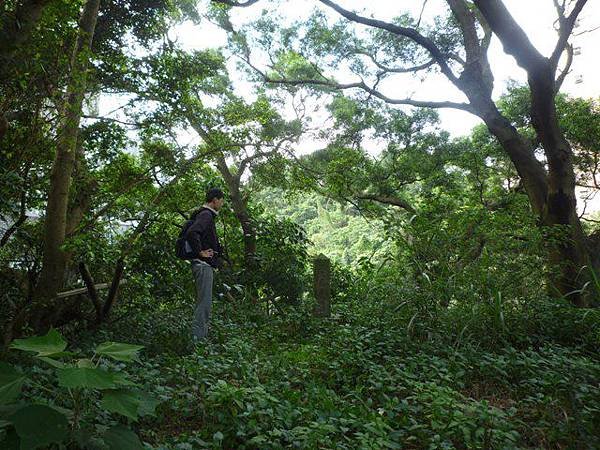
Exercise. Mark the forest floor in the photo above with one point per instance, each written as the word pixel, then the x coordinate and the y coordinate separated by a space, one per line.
pixel 365 379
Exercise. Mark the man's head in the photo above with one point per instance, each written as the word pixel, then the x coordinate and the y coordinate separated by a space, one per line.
pixel 215 198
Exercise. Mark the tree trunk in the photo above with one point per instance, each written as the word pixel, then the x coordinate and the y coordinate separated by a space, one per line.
pixel 551 192
pixel 552 199
pixel 55 259
pixel 81 199
pixel 241 211
pixel 92 292
pixel 559 208
pixel 570 254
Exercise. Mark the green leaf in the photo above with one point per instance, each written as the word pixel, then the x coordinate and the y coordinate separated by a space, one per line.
pixel 122 380
pixel 11 383
pixel 50 344
pixel 59 354
pixel 119 351
pixel 52 362
pixel 84 377
pixel 39 426
pixel 122 402
pixel 68 413
pixel 132 404
pixel 121 438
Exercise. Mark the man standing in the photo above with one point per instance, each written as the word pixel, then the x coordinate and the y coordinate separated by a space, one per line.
pixel 203 245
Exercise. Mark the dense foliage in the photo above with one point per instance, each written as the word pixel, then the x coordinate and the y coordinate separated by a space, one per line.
pixel 451 323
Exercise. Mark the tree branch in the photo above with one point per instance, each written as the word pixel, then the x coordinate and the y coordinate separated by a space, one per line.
pixel 386 69
pixel 259 154
pixel 409 33
pixel 234 3
pixel 110 119
pixel 113 291
pixel 566 28
pixel 512 36
pixel 566 69
pixel 467 24
pixel 394 201
pixel 91 289
pixel 476 57
pixel 90 222
pixel 421 13
pixel 20 220
pixel 362 85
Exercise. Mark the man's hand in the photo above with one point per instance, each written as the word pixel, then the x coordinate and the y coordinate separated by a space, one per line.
pixel 209 253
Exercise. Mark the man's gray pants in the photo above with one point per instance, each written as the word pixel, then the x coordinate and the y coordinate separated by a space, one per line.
pixel 203 274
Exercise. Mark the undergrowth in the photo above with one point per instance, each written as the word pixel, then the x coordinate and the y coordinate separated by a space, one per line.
pixel 365 378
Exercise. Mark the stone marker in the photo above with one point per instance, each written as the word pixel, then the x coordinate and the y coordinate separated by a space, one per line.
pixel 322 285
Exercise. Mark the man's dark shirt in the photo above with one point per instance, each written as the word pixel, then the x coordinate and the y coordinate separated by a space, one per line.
pixel 202 235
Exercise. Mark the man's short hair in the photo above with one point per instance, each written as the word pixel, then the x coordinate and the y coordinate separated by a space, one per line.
pixel 213 193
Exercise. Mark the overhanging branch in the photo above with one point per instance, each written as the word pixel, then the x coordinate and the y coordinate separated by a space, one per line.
pixel 375 93
pixel 387 200
pixel 386 69
pixel 260 154
pixel 238 4
pixel 397 30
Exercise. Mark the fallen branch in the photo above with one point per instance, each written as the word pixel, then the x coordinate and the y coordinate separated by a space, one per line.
pixel 84 290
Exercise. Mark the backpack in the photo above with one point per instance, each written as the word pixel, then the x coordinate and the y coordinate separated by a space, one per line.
pixel 180 244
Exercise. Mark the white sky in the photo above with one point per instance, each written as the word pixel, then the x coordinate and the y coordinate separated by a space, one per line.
pixel 535 16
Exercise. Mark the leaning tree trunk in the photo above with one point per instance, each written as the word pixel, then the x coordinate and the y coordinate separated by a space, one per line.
pixel 233 183
pixel 79 205
pixel 55 259
pixel 551 192
pixel 241 211
pixel 570 254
